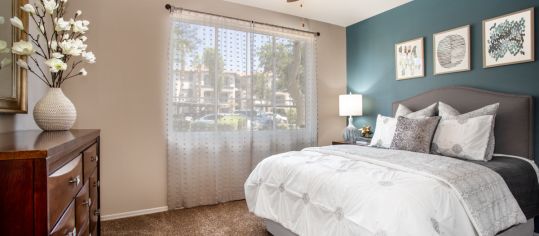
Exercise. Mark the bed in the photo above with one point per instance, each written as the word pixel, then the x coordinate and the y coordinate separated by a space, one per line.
pixel 352 190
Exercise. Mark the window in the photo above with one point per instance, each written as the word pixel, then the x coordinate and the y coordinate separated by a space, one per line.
pixel 238 93
pixel 254 71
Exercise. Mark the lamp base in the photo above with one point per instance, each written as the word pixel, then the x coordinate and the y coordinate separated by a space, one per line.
pixel 351 134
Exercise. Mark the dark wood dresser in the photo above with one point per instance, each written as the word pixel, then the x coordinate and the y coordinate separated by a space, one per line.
pixel 49 183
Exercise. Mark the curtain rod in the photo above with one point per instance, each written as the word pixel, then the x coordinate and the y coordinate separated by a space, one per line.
pixel 172 8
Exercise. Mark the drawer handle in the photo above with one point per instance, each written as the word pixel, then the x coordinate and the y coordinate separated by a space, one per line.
pixel 87 203
pixel 75 180
pixel 94 158
pixel 73 232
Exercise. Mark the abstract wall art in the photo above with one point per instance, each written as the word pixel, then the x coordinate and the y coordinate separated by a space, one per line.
pixel 451 50
pixel 409 59
pixel 509 39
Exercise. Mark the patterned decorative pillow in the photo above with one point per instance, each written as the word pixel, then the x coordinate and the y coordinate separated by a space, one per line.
pixel 463 138
pixel 414 135
pixel 385 129
pixel 385 126
pixel 429 111
pixel 449 113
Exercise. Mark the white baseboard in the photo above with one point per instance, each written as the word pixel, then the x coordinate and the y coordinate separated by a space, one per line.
pixel 134 213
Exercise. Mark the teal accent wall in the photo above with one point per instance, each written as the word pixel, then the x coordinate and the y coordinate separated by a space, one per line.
pixel 371 59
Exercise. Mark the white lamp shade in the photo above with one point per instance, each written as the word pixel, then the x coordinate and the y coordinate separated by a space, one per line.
pixel 351 105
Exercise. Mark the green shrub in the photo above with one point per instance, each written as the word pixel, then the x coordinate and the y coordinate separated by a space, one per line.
pixel 182 125
pixel 198 126
pixel 232 122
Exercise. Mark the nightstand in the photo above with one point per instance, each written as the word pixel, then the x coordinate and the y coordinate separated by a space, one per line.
pixel 368 140
pixel 339 143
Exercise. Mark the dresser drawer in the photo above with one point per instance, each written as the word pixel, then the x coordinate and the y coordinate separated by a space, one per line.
pixel 63 186
pixel 84 231
pixel 82 207
pixel 94 214
pixel 90 160
pixel 94 233
pixel 66 225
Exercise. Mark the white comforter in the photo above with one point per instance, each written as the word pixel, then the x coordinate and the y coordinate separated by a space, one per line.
pixel 353 190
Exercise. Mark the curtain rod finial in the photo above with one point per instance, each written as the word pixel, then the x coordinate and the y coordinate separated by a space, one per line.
pixel 168 6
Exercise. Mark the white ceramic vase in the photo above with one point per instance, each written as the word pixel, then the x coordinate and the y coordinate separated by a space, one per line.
pixel 55 111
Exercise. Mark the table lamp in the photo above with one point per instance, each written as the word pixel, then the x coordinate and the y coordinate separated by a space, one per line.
pixel 351 105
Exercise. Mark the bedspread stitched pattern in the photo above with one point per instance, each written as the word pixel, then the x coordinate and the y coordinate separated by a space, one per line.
pixel 354 190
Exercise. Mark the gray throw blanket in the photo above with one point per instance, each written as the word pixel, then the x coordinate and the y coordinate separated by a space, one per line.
pixel 521 178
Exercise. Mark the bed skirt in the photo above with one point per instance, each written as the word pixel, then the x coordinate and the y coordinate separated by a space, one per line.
pixel 525 229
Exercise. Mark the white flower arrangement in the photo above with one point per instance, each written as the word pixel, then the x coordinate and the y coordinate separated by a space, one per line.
pixel 62 47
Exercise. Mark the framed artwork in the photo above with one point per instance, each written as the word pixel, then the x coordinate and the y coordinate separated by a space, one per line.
pixel 451 50
pixel 409 59
pixel 13 79
pixel 509 39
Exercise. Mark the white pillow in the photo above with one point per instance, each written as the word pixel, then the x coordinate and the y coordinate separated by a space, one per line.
pixel 429 111
pixel 463 138
pixel 385 130
pixel 448 112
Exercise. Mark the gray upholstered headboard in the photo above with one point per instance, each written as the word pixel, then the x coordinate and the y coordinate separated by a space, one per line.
pixel 514 121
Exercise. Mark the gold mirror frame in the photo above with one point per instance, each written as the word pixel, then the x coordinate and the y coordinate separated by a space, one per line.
pixel 19 103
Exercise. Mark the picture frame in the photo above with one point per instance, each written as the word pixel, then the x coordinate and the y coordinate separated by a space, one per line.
pixel 498 50
pixel 14 79
pixel 452 50
pixel 410 59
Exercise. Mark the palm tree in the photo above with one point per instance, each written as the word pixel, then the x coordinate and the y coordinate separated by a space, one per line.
pixel 287 58
pixel 213 61
pixel 185 41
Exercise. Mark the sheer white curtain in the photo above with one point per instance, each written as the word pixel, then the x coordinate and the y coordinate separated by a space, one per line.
pixel 238 92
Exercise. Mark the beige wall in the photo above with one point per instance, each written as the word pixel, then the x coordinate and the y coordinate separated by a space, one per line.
pixel 124 92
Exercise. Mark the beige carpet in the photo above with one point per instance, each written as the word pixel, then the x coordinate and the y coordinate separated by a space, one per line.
pixel 231 218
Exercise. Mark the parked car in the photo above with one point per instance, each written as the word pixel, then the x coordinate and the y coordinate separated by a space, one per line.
pixel 224 121
pixel 247 113
pixel 263 122
pixel 205 123
pixel 208 119
pixel 278 118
